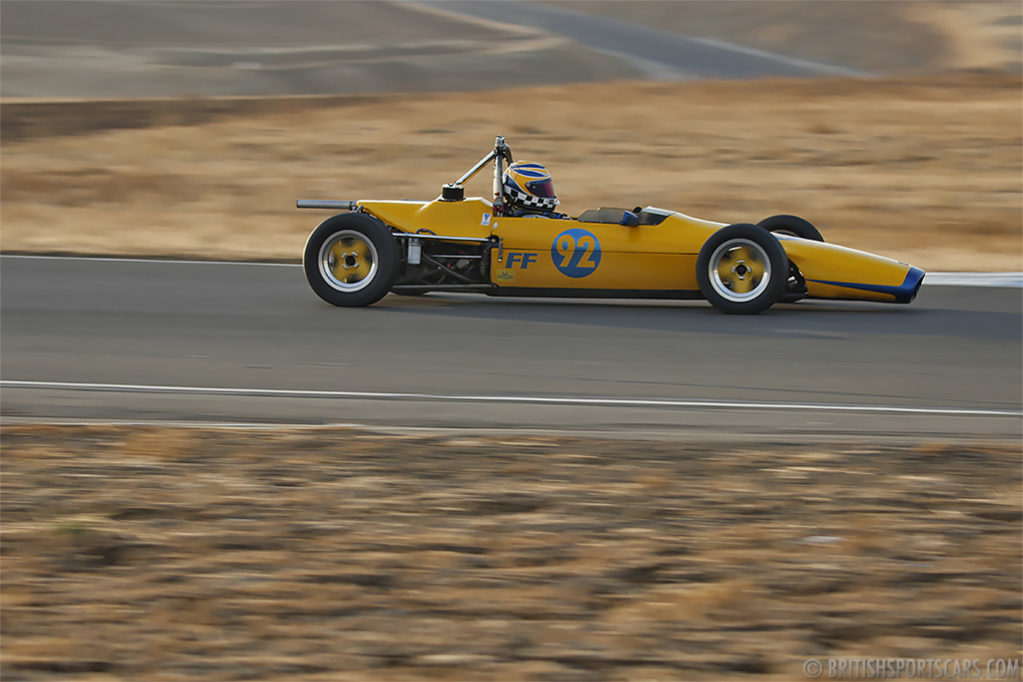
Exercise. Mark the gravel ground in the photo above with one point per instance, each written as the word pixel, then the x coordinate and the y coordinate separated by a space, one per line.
pixel 136 553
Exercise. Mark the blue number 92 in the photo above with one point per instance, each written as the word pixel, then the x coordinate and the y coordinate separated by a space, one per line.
pixel 576 252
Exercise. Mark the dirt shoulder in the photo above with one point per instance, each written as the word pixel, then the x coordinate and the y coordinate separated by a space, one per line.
pixel 157 553
pixel 924 170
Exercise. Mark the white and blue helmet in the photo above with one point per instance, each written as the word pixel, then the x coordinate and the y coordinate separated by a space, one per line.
pixel 530 186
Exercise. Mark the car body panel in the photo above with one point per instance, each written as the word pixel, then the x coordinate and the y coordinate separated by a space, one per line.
pixel 551 253
pixel 557 255
pixel 471 217
pixel 833 271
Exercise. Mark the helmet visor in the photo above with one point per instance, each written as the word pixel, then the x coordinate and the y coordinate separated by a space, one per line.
pixel 542 188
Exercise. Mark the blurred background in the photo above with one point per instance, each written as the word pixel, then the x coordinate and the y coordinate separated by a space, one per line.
pixel 114 49
pixel 227 111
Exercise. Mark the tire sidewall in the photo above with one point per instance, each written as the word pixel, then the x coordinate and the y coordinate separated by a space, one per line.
pixel 792 224
pixel 387 265
pixel 777 260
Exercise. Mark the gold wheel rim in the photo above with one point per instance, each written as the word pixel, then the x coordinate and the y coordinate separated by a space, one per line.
pixel 348 261
pixel 739 270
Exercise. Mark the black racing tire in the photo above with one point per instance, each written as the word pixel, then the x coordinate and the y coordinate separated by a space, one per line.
pixel 742 269
pixel 351 260
pixel 793 225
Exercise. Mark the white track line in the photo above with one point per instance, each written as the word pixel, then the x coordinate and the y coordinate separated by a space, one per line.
pixel 519 399
pixel 819 67
pixel 966 279
pixel 117 259
pixel 974 279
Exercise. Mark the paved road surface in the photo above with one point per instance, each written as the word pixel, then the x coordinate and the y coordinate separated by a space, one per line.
pixel 95 48
pixel 189 327
pixel 662 53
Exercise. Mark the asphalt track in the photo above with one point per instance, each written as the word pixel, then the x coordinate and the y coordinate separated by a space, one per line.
pixel 660 53
pixel 229 343
pixel 171 49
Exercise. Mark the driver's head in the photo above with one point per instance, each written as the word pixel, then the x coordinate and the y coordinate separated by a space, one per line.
pixel 529 185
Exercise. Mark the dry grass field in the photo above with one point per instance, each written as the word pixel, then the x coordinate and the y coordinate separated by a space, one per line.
pixel 924 170
pixel 134 553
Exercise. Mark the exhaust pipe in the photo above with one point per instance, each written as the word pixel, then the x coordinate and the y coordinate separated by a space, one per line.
pixel 327 204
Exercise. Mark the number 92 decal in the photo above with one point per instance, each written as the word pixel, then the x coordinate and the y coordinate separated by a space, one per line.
pixel 576 252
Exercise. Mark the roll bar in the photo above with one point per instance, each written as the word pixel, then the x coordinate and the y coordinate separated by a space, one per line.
pixel 455 191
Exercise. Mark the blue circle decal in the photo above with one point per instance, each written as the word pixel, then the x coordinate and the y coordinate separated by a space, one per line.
pixel 576 252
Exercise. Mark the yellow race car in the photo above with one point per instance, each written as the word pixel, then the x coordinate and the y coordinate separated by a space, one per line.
pixel 473 244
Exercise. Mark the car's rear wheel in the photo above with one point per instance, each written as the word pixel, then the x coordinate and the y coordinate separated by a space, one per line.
pixel 351 260
pixel 791 225
pixel 742 269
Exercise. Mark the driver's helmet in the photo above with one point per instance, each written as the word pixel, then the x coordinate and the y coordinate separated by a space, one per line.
pixel 529 185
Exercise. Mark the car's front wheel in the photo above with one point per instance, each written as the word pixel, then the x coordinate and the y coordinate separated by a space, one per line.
pixel 351 260
pixel 742 269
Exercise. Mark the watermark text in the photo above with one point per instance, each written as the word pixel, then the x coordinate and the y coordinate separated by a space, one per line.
pixel 912 669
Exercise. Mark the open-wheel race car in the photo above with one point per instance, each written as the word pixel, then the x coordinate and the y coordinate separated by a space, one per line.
pixel 500 247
